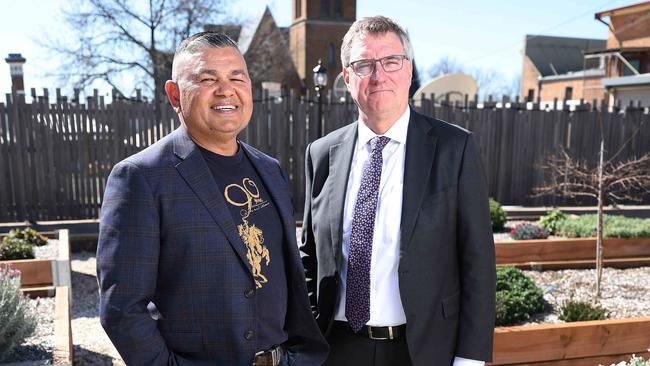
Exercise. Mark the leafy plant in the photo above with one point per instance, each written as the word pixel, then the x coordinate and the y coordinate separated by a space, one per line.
pixel 15 248
pixel 528 231
pixel 517 296
pixel 584 226
pixel 28 234
pixel 575 311
pixel 497 216
pixel 551 221
pixel 16 313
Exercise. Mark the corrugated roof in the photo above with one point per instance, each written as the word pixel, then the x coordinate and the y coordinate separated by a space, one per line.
pixel 559 55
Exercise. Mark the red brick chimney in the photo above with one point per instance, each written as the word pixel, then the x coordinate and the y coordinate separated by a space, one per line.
pixel 16 61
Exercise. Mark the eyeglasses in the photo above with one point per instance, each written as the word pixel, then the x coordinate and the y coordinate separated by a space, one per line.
pixel 390 63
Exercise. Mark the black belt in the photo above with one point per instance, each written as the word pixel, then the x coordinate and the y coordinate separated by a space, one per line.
pixel 377 333
pixel 271 357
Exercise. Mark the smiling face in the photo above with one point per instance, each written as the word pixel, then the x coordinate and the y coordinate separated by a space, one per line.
pixel 382 96
pixel 212 96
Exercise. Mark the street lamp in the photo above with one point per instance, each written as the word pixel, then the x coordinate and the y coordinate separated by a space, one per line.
pixel 320 82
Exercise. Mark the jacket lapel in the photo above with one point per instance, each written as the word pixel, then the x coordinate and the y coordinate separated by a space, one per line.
pixel 196 173
pixel 420 153
pixel 340 159
pixel 276 185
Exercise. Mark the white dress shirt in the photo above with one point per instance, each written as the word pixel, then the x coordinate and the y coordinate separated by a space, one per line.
pixel 385 302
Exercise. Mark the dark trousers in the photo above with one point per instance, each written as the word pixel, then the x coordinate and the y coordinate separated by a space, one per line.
pixel 349 349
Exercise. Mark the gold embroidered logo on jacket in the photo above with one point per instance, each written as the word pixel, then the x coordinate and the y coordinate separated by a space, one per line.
pixel 251 235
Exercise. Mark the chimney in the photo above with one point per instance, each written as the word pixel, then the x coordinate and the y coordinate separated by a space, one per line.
pixel 16 61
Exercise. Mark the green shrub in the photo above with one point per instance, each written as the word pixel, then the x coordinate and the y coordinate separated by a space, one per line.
pixel 16 313
pixel 517 296
pixel 15 248
pixel 552 221
pixel 497 215
pixel 528 231
pixel 28 234
pixel 584 226
pixel 576 311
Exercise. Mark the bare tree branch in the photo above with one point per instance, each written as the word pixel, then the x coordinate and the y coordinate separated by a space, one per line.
pixel 118 40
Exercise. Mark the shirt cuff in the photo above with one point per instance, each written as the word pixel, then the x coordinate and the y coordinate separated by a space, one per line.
pixel 459 361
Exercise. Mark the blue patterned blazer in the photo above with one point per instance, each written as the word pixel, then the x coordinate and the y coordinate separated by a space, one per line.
pixel 167 237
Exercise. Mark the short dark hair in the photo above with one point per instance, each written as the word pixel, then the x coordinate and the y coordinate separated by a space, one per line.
pixel 201 40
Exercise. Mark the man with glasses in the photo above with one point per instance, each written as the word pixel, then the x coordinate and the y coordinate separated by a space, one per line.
pixel 398 246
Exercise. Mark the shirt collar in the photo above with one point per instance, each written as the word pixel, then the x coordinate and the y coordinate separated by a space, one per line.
pixel 397 132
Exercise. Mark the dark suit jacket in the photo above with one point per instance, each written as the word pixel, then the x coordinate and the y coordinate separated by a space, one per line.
pixel 166 236
pixel 446 266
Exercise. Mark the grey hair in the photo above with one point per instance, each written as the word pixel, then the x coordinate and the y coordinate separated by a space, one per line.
pixel 373 25
pixel 197 42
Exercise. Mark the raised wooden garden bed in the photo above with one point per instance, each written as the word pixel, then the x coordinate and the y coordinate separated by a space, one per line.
pixel 62 354
pixel 572 253
pixel 40 277
pixel 586 343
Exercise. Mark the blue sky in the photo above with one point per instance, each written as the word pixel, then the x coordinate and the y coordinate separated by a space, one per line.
pixel 476 33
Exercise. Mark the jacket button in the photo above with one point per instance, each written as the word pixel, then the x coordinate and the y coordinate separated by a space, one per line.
pixel 249 335
pixel 249 293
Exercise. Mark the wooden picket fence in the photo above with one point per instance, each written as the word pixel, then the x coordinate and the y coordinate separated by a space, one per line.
pixel 55 156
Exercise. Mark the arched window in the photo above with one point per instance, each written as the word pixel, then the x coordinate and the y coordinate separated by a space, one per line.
pixel 325 8
pixel 331 54
pixel 298 8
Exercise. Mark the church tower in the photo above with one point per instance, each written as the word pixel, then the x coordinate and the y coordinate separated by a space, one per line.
pixel 316 32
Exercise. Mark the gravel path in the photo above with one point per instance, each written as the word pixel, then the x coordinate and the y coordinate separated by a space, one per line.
pixel 91 344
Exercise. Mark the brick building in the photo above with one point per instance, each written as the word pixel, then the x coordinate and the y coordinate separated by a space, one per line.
pixel 627 56
pixel 279 56
pixel 555 67
pixel 570 69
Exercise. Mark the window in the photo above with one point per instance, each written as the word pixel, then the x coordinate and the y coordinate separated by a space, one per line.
pixel 331 54
pixel 298 8
pixel 325 8
pixel 531 95
pixel 338 8
pixel 636 63
pixel 568 93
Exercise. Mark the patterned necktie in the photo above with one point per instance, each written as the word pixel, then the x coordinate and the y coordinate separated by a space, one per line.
pixel 357 302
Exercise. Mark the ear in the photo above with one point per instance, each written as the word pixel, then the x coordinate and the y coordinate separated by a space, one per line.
pixel 346 76
pixel 173 94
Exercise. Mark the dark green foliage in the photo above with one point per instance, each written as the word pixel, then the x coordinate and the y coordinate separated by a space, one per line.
pixel 528 231
pixel 16 314
pixel 497 215
pixel 575 311
pixel 28 234
pixel 584 226
pixel 552 221
pixel 517 296
pixel 14 248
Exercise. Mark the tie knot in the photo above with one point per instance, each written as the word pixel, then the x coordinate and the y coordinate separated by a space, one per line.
pixel 378 143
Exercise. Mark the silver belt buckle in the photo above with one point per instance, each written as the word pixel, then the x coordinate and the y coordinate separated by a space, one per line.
pixel 276 355
pixel 371 336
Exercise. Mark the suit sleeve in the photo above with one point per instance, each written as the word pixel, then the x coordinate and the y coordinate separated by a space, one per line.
pixel 127 265
pixel 477 259
pixel 308 245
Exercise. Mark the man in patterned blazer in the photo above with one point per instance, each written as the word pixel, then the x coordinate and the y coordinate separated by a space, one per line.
pixel 197 258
